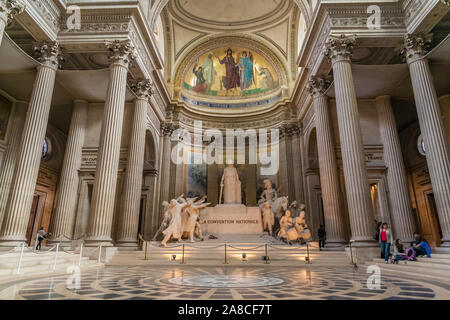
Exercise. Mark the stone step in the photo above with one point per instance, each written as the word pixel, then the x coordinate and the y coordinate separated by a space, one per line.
pixel 35 262
pixel 41 269
pixel 413 270
pixel 422 263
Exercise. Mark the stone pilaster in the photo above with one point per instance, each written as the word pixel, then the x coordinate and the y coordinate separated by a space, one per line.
pixel 64 214
pixel 339 50
pixel 11 154
pixel 444 102
pixel 8 10
pixel 166 130
pixel 297 166
pixel 122 53
pixel 132 188
pixel 399 199
pixel 432 128
pixel 329 177
pixel 15 221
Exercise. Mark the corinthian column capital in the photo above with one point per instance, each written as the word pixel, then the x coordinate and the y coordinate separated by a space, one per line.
pixel 317 86
pixel 122 52
pixel 415 47
pixel 10 8
pixel 48 53
pixel 143 89
pixel 167 128
pixel 339 48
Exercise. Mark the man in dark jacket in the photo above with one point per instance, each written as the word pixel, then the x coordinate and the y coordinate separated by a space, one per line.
pixel 322 236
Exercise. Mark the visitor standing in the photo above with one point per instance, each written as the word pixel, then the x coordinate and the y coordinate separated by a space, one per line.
pixel 385 241
pixel 41 235
pixel 322 236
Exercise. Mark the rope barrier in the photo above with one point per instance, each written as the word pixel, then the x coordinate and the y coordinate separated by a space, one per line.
pixel 245 249
pixel 9 251
pixel 35 252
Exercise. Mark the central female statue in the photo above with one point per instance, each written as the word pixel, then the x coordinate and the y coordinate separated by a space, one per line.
pixel 231 185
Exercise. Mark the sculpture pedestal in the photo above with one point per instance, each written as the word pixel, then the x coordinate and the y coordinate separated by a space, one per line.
pixel 231 219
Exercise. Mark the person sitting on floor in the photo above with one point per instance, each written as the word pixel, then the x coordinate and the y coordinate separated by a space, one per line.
pixel 399 251
pixel 421 246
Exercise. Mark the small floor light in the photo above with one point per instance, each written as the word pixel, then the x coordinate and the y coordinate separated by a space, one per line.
pixel 244 257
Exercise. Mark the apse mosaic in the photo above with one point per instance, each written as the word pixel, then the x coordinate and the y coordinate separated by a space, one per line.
pixel 231 72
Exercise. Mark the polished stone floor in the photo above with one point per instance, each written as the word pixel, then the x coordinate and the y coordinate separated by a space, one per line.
pixel 187 282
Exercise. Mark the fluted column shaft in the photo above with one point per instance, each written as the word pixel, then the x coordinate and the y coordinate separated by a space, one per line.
pixel 15 221
pixel 104 191
pixel 399 199
pixel 432 128
pixel 64 214
pixel 444 102
pixel 352 148
pixel 11 154
pixel 166 130
pixel 329 179
pixel 129 215
pixel 8 10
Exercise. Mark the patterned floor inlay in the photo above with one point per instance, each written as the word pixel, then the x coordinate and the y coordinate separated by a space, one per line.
pixel 136 283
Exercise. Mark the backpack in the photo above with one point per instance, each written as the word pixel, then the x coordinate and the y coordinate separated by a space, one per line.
pixel 410 254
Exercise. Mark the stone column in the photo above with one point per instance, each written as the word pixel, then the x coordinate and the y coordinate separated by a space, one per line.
pixel 166 130
pixel 15 221
pixel 104 192
pixel 329 178
pixel 8 10
pixel 432 128
pixel 297 165
pixel 444 102
pixel 132 187
pixel 399 199
pixel 339 50
pixel 64 214
pixel 11 154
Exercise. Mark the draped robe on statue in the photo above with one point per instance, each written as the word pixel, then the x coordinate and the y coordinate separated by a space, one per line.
pixel 231 186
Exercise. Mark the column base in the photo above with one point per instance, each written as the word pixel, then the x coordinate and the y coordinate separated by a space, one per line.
pixel 445 242
pixel 131 244
pixel 63 241
pixel 11 242
pixel 364 242
pixel 337 245
pixel 363 254
pixel 95 241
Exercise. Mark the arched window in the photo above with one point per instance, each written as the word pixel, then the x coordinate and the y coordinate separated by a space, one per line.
pixel 46 149
pixel 421 146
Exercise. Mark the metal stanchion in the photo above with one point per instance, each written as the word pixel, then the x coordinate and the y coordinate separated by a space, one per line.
pixel 35 244
pixel 225 260
pixel 20 258
pixel 99 260
pixel 351 256
pixel 267 255
pixel 146 248
pixel 81 255
pixel 308 259
pixel 56 256
pixel 182 255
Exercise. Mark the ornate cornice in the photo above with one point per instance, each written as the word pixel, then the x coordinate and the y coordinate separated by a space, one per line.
pixel 122 52
pixel 317 86
pixel 338 48
pixel 415 47
pixel 10 8
pixel 48 53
